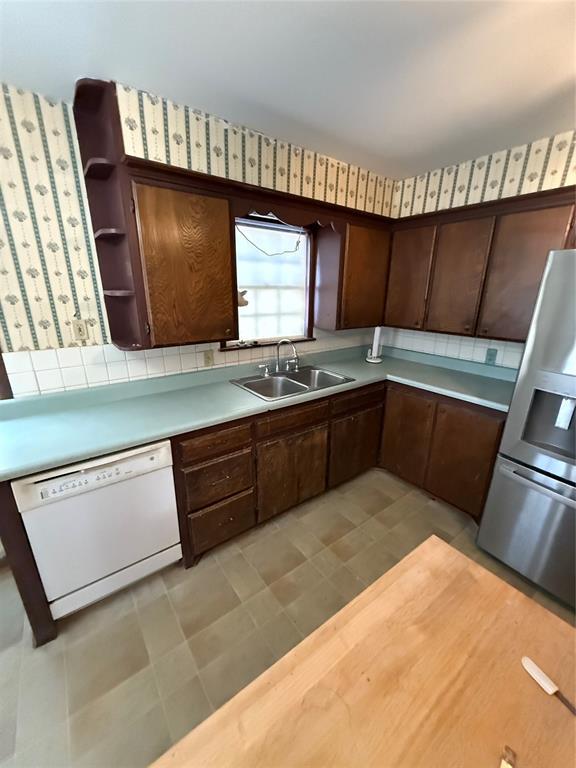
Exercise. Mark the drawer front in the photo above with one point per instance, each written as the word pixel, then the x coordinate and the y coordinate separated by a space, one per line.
pixel 220 522
pixel 291 419
pixel 217 479
pixel 213 443
pixel 359 399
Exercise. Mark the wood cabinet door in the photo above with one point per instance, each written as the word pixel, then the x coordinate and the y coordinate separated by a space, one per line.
pixel 519 253
pixel 410 265
pixel 462 455
pixel 459 266
pixel 290 470
pixel 354 444
pixel 364 277
pixel 187 252
pixel 406 434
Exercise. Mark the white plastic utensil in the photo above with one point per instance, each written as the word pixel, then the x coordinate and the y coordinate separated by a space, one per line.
pixel 545 683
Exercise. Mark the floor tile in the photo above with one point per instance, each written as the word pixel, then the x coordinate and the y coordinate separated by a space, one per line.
pixel 374 528
pixel 351 510
pixel 351 544
pixel 160 627
pixel 103 660
pixel 326 562
pixel 12 624
pixel 133 699
pixel 274 556
pixel 234 670
pixel 174 668
pixel 371 563
pixel 391 485
pixel 263 606
pixel 176 574
pixel 369 498
pixel 349 584
pixel 243 577
pixel 42 701
pixel 294 584
pixel 131 745
pixel 315 607
pixel 199 602
pixel 406 535
pixel 221 636
pixel 327 524
pixel 51 751
pixel 94 617
pixel 256 534
pixel 9 687
pixel 148 589
pixel 561 610
pixel 301 537
pixel 186 707
pixel 402 508
pixel 445 517
pixel 281 635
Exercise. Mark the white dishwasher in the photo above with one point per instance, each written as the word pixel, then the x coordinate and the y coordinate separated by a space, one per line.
pixel 97 526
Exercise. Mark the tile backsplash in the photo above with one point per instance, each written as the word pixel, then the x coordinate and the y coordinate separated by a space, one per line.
pixel 43 371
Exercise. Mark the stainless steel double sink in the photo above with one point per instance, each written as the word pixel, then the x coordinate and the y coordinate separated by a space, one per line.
pixel 276 386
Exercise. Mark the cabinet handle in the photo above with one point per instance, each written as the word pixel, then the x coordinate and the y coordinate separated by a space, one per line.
pixel 227 332
pixel 467 327
pixel 417 324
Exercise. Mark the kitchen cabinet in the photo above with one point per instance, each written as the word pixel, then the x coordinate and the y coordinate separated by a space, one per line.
pixel 291 469
pixel 351 276
pixel 462 249
pixel 517 261
pixel 407 432
pixel 187 249
pixel 464 444
pixel 410 266
pixel 354 444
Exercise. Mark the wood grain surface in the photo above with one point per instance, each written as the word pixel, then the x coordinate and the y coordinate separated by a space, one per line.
pixel 421 669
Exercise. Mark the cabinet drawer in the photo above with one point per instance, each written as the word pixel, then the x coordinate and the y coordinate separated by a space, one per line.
pixel 215 480
pixel 222 521
pixel 292 418
pixel 359 399
pixel 213 443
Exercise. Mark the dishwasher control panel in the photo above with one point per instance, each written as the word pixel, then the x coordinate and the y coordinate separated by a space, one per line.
pixel 32 492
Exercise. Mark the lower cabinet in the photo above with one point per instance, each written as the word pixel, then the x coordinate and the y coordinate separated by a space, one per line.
pixel 407 431
pixel 222 521
pixel 462 454
pixel 354 444
pixel 291 469
pixel 446 446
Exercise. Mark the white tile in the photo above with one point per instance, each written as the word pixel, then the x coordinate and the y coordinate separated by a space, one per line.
pixel 69 356
pixel 96 374
pixel 136 354
pixel 44 360
pixel 151 353
pixel 92 355
pixel 155 366
pixel 188 361
pixel 74 377
pixel 173 364
pixel 187 349
pixel 17 362
pixel 168 351
pixel 114 355
pixel 137 368
pixel 117 371
pixel 23 383
pixel 49 380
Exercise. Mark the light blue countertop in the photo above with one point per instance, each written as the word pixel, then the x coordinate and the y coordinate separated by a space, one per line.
pixel 47 431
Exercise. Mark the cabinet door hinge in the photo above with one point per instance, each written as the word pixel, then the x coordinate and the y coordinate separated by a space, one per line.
pixel 132 205
pixel 147 328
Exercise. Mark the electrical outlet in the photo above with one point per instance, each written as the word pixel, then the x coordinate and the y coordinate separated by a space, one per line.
pixel 80 329
pixel 208 357
pixel 491 354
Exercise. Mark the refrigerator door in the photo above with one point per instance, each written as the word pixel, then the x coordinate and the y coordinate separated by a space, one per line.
pixel 529 524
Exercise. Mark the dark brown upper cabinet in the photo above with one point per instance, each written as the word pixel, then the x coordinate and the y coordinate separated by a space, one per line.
pixel 518 256
pixel 351 276
pixel 460 263
pixel 410 265
pixel 186 244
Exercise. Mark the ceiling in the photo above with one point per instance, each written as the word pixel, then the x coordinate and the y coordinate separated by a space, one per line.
pixel 397 87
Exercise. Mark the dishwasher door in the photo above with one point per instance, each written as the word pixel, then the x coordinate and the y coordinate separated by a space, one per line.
pixel 99 526
pixel 529 524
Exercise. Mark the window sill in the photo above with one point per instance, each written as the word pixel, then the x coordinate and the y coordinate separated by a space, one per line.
pixel 225 346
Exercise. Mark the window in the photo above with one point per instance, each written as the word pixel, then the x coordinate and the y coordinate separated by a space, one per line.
pixel 272 262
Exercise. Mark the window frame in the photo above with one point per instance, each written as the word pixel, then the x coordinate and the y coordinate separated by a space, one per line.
pixel 264 221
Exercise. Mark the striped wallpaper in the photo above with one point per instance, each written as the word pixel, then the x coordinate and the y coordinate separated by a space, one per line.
pixel 48 270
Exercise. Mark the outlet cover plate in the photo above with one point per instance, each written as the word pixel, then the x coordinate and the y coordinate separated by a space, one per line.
pixel 491 355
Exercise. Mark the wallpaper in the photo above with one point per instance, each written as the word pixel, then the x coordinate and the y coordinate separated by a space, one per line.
pixel 48 271
pixel 158 129
pixel 543 164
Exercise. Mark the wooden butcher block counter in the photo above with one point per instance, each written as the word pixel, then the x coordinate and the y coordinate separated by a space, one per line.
pixel 421 669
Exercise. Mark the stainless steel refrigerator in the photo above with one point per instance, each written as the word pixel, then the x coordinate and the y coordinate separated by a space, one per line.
pixel 528 520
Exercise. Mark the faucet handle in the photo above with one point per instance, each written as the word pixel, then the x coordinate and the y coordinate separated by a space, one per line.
pixel 292 365
pixel 266 367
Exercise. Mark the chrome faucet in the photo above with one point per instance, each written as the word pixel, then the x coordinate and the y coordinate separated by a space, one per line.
pixel 293 360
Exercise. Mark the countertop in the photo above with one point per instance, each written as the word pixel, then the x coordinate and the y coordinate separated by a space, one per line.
pixel 423 668
pixel 40 433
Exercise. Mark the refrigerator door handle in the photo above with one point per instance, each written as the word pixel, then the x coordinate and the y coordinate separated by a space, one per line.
pixel 535 486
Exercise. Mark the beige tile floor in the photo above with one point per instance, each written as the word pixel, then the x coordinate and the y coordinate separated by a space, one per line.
pixel 130 676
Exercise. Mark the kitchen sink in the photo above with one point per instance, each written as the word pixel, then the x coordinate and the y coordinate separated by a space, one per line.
pixel 276 386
